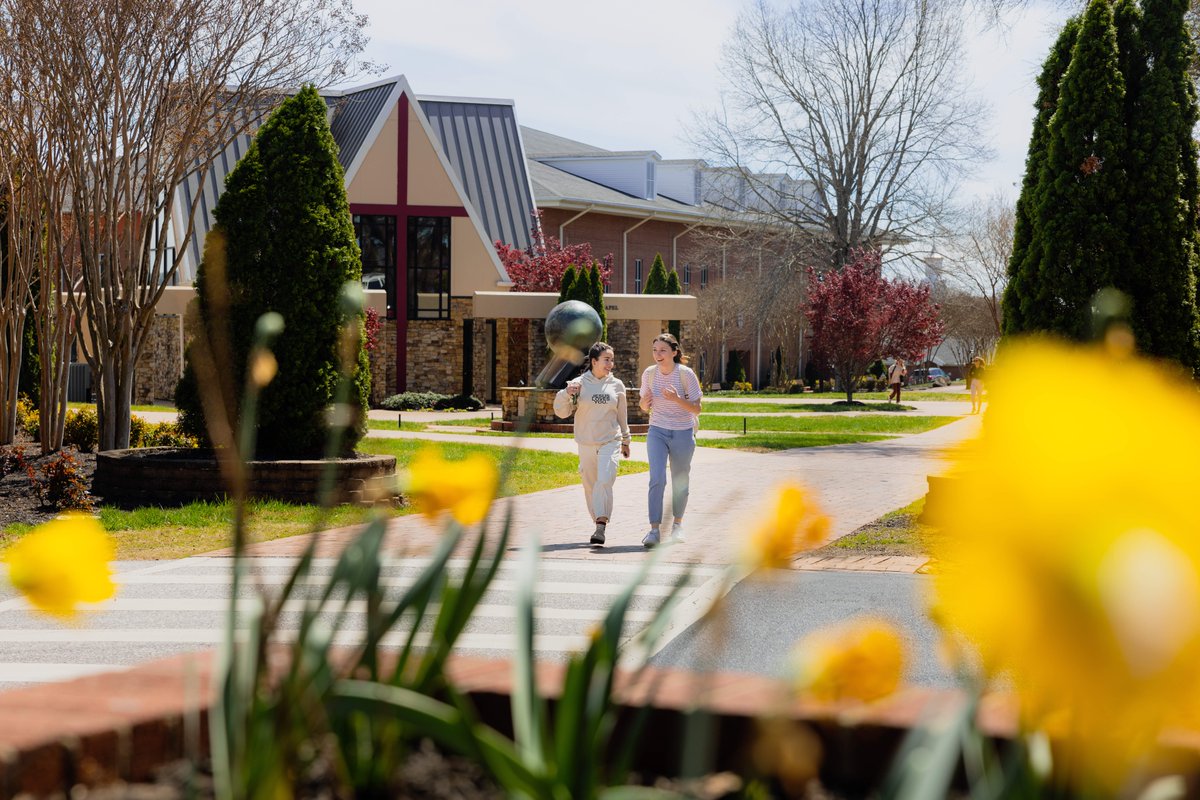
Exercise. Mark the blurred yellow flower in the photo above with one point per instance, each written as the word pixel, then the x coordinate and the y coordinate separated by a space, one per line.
pixel 1070 558
pixel 795 524
pixel 61 564
pixel 862 659
pixel 464 488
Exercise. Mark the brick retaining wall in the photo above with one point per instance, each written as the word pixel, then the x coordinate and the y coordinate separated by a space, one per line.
pixel 168 475
pixel 515 400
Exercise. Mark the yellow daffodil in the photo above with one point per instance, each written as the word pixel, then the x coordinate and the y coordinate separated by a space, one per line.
pixel 464 488
pixel 61 564
pixel 1070 559
pixel 862 659
pixel 795 524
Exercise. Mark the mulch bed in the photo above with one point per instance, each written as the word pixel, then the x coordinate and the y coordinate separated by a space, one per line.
pixel 18 500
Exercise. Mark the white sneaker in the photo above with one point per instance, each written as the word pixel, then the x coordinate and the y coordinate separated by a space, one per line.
pixel 651 539
pixel 677 534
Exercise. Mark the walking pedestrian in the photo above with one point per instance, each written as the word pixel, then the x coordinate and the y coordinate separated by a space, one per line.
pixel 671 392
pixel 896 373
pixel 975 383
pixel 601 429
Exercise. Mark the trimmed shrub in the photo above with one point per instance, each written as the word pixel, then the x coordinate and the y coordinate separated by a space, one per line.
pixel 62 484
pixel 284 241
pixel 459 402
pixel 28 418
pixel 166 434
pixel 413 401
pixel 81 429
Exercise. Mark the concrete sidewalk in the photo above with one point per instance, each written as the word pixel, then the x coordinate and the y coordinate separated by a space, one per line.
pixel 854 484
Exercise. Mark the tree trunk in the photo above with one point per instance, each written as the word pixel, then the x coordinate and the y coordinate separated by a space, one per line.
pixel 10 371
pixel 114 401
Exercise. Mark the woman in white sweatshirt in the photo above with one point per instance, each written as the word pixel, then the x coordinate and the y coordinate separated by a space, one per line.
pixel 601 427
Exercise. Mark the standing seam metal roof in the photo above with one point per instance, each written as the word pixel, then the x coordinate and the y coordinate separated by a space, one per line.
pixel 354 115
pixel 481 142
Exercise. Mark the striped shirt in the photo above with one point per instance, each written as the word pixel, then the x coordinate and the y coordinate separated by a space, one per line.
pixel 664 413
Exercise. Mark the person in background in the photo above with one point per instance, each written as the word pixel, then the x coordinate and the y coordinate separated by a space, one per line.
pixel 974 378
pixel 896 373
pixel 601 428
pixel 670 391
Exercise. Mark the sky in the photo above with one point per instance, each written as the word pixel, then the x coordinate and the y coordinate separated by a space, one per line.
pixel 631 77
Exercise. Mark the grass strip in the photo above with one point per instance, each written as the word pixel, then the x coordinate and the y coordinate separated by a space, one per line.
pixel 868 423
pixel 896 533
pixel 836 406
pixel 769 442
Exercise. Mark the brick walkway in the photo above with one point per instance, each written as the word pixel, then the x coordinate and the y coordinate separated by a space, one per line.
pixel 854 484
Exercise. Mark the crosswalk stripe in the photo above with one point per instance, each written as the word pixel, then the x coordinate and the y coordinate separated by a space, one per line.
pixel 165 604
pixel 23 672
pixel 542 587
pixel 285 563
pixel 211 636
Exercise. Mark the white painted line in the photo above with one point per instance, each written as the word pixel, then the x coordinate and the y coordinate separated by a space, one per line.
pixel 221 605
pixel 543 587
pixel 213 636
pixel 13 672
pixel 285 564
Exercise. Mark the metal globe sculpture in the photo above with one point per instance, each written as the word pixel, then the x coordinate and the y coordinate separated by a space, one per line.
pixel 571 328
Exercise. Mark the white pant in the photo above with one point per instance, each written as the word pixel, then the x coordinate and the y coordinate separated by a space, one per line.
pixel 598 468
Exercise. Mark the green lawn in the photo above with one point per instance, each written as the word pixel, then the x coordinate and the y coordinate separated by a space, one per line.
pixel 533 470
pixel 867 423
pixel 154 533
pixel 390 425
pixel 896 533
pixel 729 407
pixel 766 442
pixel 916 394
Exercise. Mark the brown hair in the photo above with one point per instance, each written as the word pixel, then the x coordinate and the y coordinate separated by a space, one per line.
pixel 673 343
pixel 597 350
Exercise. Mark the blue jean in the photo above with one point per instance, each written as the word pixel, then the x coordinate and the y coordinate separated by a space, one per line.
pixel 677 446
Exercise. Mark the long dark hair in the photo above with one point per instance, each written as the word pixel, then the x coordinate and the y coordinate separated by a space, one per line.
pixel 673 343
pixel 597 350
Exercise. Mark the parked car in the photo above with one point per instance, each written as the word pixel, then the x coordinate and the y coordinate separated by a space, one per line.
pixel 932 375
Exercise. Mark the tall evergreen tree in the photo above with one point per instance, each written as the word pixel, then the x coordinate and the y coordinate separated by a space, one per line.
pixel 656 281
pixel 568 284
pixel 1080 240
pixel 285 242
pixel 597 301
pixel 1163 229
pixel 1022 279
pixel 673 287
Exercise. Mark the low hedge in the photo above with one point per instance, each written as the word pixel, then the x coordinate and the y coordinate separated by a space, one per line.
pixel 418 401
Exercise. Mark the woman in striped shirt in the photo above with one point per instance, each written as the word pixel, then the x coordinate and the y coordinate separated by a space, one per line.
pixel 671 393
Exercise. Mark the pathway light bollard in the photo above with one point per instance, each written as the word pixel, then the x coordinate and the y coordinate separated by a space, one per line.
pixel 399 422
pixel 743 426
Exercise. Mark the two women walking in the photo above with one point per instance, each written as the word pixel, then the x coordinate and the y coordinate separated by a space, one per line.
pixel 671 392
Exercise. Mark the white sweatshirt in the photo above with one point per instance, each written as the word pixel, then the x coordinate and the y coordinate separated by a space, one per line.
pixel 601 414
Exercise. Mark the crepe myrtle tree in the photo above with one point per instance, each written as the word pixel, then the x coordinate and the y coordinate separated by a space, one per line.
pixel 856 316
pixel 540 267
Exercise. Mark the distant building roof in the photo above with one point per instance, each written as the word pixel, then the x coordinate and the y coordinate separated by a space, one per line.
pixel 540 144
pixel 553 187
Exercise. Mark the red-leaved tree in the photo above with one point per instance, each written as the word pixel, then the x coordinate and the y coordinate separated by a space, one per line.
pixel 540 268
pixel 856 316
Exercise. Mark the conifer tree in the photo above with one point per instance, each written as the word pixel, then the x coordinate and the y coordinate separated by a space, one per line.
pixel 1163 227
pixel 673 287
pixel 656 281
pixel 285 242
pixel 1080 239
pixel 1022 278
pixel 597 298
pixel 568 284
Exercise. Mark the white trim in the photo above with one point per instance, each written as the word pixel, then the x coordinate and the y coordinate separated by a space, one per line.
pixel 487 101
pixel 376 128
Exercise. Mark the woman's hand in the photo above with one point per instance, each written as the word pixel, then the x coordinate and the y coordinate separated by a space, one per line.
pixel 670 394
pixel 573 389
pixel 625 450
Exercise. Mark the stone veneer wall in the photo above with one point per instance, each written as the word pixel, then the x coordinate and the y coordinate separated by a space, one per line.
pixel 515 400
pixel 623 336
pixel 435 350
pixel 383 363
pixel 160 361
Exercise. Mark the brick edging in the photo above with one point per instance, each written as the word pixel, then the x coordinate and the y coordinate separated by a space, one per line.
pixel 122 726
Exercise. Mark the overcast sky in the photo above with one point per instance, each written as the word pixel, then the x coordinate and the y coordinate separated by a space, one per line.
pixel 629 77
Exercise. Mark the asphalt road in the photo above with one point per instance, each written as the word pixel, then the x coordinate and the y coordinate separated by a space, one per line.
pixel 765 618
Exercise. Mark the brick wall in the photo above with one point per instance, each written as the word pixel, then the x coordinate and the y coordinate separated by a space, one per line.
pixel 515 402
pixel 160 361
pixel 623 336
pixel 435 350
pixel 383 363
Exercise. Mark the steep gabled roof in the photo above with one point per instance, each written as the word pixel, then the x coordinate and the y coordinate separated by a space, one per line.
pixel 354 115
pixel 482 142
